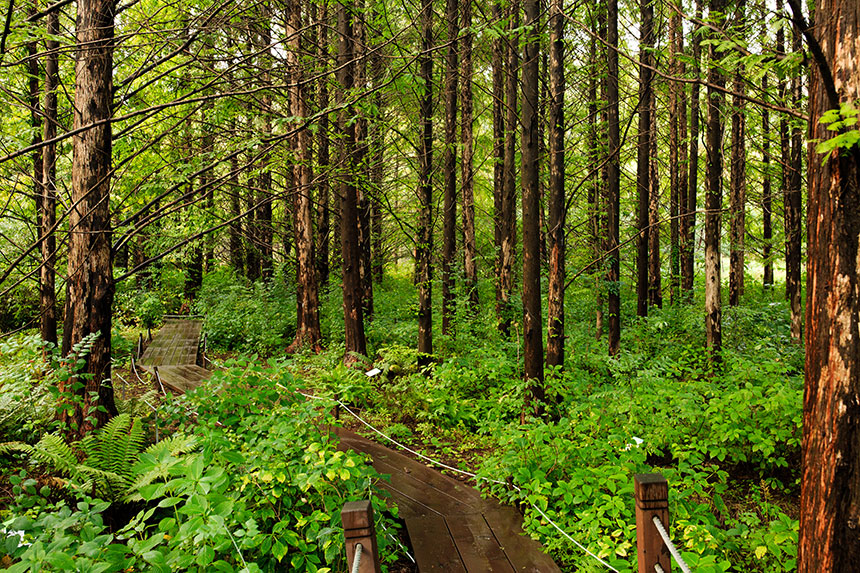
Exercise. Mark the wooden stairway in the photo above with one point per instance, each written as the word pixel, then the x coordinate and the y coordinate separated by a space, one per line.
pixel 174 352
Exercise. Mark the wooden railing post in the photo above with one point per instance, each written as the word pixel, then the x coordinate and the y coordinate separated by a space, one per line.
pixel 652 498
pixel 357 517
pixel 139 345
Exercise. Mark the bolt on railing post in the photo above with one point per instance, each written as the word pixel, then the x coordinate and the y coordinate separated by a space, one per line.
pixel 357 518
pixel 652 499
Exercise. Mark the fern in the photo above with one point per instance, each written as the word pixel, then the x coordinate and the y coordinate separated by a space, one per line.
pixel 114 465
pixel 156 462
pixel 116 447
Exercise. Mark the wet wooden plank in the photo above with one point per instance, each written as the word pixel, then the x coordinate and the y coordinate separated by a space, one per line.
pixel 451 487
pixel 433 545
pixel 526 554
pixel 478 547
pixel 486 536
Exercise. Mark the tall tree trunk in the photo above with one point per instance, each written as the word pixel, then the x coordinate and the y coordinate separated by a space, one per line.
pixel 655 280
pixel 449 168
pixel 264 222
pixel 643 153
pixel 766 194
pixel 532 311
pixel 207 179
pixel 470 248
pixel 784 151
pixel 793 212
pixel 509 176
pixel 613 188
pixel 689 239
pixel 48 294
pixel 308 332
pixel 237 255
pixel 713 193
pixel 323 149
pixel 738 191
pixel 352 289
pixel 90 286
pixel 424 247
pixel 677 196
pixel 377 167
pixel 362 135
pixel 498 65
pixel 37 175
pixel 830 479
pixel 596 188
pixel 557 211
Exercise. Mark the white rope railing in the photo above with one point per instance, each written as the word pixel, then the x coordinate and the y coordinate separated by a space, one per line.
pixel 472 475
pixel 356 561
pixel 672 549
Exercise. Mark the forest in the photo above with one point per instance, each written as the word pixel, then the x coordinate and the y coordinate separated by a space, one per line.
pixel 547 245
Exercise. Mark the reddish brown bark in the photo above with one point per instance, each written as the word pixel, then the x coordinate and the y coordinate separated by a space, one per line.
pixel 308 333
pixel 830 481
pixel 532 312
pixel 90 286
pixel 353 313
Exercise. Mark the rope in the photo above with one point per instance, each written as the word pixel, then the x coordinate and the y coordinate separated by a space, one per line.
pixel 456 470
pixel 356 561
pixel 662 530
pixel 397 541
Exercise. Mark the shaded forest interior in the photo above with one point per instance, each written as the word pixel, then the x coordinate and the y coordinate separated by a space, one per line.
pixel 519 211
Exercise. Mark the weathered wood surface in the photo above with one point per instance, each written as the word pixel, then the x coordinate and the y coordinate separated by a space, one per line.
pixel 174 351
pixel 451 527
pixel 175 344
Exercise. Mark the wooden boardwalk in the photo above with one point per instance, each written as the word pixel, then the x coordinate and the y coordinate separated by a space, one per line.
pixel 451 527
pixel 174 352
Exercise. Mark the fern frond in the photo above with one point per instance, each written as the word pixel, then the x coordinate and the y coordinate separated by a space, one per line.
pixel 54 452
pixel 175 444
pixel 115 447
pixel 9 447
pixel 157 460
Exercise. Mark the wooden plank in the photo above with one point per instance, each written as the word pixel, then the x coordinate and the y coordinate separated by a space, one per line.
pixel 456 489
pixel 412 485
pixel 433 546
pixel 484 535
pixel 478 547
pixel 526 554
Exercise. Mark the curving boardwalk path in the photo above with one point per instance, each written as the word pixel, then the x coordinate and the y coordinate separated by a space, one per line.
pixel 451 527
pixel 174 352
